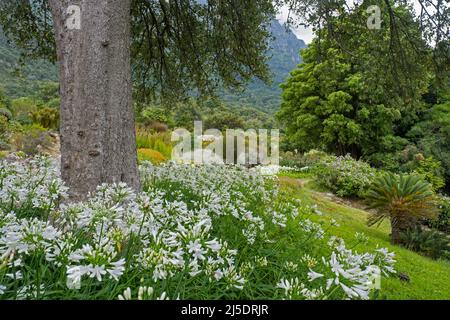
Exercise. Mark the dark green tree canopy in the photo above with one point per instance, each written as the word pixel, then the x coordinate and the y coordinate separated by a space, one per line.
pixel 357 92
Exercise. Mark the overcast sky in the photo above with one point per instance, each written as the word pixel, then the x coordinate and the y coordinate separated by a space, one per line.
pixel 307 35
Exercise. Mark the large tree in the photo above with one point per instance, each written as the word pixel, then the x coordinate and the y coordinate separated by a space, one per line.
pixel 173 47
pixel 359 90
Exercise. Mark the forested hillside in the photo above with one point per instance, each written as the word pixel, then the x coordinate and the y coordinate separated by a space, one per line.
pixel 284 58
pixel 23 80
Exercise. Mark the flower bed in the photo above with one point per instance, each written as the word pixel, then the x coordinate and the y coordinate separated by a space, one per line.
pixel 194 232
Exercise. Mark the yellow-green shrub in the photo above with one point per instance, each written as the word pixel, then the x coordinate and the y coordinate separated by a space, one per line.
pixel 32 140
pixel 156 141
pixel 47 117
pixel 21 109
pixel 153 156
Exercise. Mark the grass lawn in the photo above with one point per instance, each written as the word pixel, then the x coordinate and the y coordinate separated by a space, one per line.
pixel 429 279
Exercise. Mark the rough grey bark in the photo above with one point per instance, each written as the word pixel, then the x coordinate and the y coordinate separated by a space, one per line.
pixel 97 118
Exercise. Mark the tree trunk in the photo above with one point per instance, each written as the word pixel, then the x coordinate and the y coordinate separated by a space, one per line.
pixel 97 118
pixel 396 234
pixel 401 223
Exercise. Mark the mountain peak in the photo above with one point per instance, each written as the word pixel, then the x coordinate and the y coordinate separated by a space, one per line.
pixel 284 57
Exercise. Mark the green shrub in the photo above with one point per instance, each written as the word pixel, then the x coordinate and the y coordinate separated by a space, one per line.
pixel 442 223
pixel 48 91
pixel 431 170
pixel 22 108
pixel 4 146
pixel 46 117
pixel 315 156
pixel 430 243
pixel 297 160
pixel 292 160
pixel 5 129
pixel 5 102
pixel 6 113
pixel 54 103
pixel 154 117
pixel 432 134
pixel 345 176
pixel 223 120
pixel 3 126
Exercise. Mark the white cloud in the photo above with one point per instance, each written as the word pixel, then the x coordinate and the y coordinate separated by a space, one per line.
pixel 306 34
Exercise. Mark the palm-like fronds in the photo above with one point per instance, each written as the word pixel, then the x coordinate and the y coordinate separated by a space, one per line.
pixel 399 197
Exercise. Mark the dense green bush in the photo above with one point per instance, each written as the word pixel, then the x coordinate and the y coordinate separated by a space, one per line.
pixel 292 160
pixel 345 176
pixel 22 108
pixel 442 223
pixel 54 103
pixel 3 125
pixel 6 113
pixel 431 135
pixel 3 131
pixel 46 117
pixel 308 161
pixel 431 170
pixel 4 147
pixel 4 100
pixel 430 243
pixel 47 92
pixel 7 129
pixel 152 116
pixel 224 120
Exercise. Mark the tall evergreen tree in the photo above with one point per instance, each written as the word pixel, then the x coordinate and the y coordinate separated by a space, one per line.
pixel 356 92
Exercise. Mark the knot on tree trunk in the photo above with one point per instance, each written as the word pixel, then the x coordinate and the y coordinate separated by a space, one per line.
pixel 94 153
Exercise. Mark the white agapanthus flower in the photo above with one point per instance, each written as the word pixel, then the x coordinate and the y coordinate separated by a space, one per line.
pixel 167 230
pixel 312 275
pixel 2 289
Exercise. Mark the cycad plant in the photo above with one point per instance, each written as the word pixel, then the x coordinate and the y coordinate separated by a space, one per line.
pixel 404 199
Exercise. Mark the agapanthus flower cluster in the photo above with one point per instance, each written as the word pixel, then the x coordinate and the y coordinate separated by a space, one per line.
pixel 345 274
pixel 33 184
pixel 168 232
pixel 224 191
